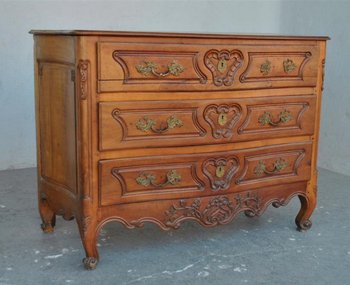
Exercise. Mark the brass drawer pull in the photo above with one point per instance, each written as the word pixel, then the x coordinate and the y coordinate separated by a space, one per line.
pixel 145 124
pixel 147 179
pixel 288 65
pixel 278 166
pixel 283 117
pixel 149 67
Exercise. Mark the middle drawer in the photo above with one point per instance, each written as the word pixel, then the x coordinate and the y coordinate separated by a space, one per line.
pixel 142 124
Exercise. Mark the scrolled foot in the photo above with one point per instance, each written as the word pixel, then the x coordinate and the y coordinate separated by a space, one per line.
pixel 47 227
pixel 90 263
pixel 304 226
pixel 249 213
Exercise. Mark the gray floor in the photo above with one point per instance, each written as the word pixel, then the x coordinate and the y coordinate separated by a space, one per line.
pixel 267 250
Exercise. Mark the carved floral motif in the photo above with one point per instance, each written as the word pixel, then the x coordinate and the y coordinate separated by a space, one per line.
pixel 219 210
pixel 83 68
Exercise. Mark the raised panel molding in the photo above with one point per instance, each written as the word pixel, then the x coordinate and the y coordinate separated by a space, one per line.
pixel 277 71
pixel 260 109
pixel 195 130
pixel 120 57
pixel 247 175
pixel 185 169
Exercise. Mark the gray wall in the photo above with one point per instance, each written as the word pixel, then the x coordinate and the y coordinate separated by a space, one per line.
pixel 329 18
pixel 17 132
pixel 17 141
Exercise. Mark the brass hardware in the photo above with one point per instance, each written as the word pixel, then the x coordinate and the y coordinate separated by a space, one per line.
pixel 278 166
pixel 220 171
pixel 222 119
pixel 283 117
pixel 147 179
pixel 288 65
pixel 222 65
pixel 145 124
pixel 265 68
pixel 149 67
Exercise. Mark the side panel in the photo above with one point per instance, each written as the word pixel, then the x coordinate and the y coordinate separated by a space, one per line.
pixel 56 118
pixel 57 124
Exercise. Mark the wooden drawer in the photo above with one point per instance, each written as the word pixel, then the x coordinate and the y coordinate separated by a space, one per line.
pixel 192 175
pixel 159 67
pixel 125 125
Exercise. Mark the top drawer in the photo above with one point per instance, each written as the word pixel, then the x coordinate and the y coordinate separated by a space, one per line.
pixel 184 67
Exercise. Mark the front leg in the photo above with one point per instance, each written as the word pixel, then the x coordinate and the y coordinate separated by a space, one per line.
pixel 308 205
pixel 88 232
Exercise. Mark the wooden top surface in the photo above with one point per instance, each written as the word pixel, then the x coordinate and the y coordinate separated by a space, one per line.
pixel 172 35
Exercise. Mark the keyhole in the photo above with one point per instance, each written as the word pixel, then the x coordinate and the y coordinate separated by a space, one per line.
pixel 222 64
pixel 222 118
pixel 220 171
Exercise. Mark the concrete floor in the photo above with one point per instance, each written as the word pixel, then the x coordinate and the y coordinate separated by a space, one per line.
pixel 267 250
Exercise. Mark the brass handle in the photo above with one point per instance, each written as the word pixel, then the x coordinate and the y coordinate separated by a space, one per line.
pixel 149 67
pixel 288 65
pixel 145 124
pixel 147 179
pixel 278 166
pixel 283 117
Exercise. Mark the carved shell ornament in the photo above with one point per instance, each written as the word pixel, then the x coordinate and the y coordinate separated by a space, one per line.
pixel 223 65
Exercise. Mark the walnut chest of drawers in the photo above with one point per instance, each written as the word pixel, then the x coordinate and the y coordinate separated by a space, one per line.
pixel 166 127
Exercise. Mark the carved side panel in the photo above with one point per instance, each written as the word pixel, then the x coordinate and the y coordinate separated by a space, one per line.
pixel 57 124
pixel 222 119
pixel 220 171
pixel 223 65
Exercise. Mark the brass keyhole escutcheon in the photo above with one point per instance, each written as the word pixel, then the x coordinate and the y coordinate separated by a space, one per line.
pixel 222 65
pixel 222 119
pixel 220 171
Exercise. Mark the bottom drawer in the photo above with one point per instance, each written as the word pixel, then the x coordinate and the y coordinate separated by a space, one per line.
pixel 152 178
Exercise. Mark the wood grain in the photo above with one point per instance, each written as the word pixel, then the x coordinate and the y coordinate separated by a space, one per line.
pixel 215 126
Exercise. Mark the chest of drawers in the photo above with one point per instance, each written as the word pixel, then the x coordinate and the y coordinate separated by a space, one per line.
pixel 165 127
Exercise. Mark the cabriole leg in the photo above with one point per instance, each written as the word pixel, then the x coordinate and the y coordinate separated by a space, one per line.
pixel 88 237
pixel 302 220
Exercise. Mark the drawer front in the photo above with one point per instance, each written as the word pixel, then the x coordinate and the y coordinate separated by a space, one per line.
pixel 178 176
pixel 159 67
pixel 125 125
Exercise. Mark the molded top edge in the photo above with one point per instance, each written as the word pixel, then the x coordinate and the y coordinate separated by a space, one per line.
pixel 174 34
